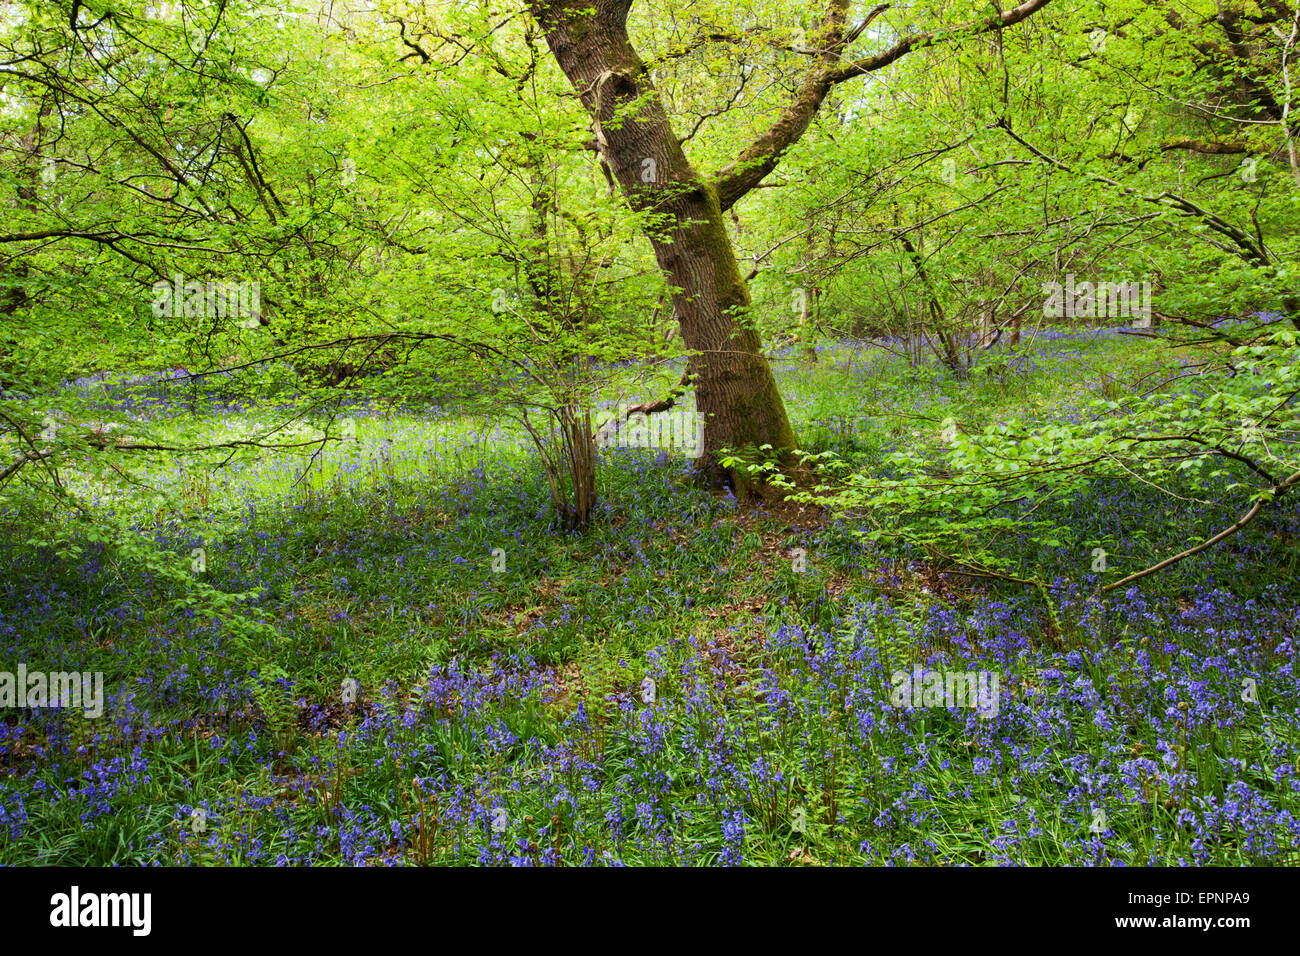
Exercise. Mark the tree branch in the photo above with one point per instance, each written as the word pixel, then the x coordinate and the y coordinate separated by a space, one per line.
pixel 1269 496
pixel 758 159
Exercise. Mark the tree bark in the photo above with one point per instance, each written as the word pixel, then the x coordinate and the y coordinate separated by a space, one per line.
pixel 735 388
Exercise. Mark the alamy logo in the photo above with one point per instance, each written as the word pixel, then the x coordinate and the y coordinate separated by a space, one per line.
pixel 65 689
pixel 211 300
pixel 974 689
pixel 680 428
pixel 102 909
pixel 1102 300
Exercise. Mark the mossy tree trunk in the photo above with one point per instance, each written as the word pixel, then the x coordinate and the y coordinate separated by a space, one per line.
pixel 735 389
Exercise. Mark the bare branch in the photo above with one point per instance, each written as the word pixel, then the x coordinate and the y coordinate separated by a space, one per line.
pixel 1266 498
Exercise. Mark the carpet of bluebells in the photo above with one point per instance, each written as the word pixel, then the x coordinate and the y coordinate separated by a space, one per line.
pixel 666 689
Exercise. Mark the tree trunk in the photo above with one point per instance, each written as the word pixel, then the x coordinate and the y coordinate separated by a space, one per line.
pixel 734 384
pixel 735 388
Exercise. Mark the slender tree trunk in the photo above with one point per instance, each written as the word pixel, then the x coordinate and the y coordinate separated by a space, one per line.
pixel 13 297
